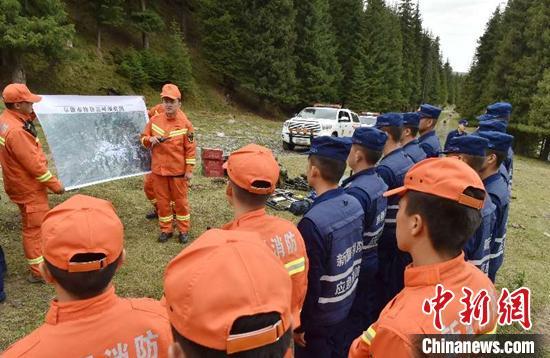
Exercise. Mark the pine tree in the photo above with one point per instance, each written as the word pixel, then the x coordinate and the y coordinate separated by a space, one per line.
pixel 317 67
pixel 40 29
pixel 347 22
pixel 411 29
pixel 147 21
pixel 178 61
pixel 106 13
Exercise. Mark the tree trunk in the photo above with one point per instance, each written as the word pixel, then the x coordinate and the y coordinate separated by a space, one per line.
pixel 144 35
pixel 99 37
pixel 18 75
pixel 545 152
pixel 145 40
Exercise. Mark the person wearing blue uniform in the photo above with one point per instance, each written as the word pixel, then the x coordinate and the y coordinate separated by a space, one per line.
pixel 392 169
pixel 496 186
pixel 408 139
pixel 333 234
pixel 460 131
pixel 367 187
pixel 502 111
pixel 471 149
pixel 428 138
pixel 496 125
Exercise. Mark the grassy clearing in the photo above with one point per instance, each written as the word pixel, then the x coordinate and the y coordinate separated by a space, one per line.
pixel 141 275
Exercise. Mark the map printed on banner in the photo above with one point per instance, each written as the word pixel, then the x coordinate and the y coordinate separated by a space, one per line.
pixel 94 139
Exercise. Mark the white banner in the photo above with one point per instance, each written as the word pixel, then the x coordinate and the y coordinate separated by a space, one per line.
pixel 94 139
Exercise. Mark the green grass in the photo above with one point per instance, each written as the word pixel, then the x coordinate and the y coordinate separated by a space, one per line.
pixel 141 275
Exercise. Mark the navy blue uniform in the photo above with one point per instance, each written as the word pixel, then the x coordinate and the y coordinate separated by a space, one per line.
pixel 497 188
pixel 478 249
pixel 3 270
pixel 509 165
pixel 413 150
pixel 367 187
pixel 430 144
pixel 392 261
pixel 333 233
pixel 453 134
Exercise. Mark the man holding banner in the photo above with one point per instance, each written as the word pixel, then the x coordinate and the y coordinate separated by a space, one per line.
pixel 25 169
pixel 170 136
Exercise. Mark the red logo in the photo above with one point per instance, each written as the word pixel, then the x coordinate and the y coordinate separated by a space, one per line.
pixel 515 307
pixel 437 304
pixel 478 308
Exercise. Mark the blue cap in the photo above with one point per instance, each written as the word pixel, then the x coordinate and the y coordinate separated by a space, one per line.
pixel 500 109
pixel 463 121
pixel 330 147
pixel 411 119
pixel 389 120
pixel 429 111
pixel 492 125
pixel 467 144
pixel 370 138
pixel 500 142
pixel 486 117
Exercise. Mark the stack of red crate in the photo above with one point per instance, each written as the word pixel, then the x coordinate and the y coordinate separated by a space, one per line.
pixel 212 162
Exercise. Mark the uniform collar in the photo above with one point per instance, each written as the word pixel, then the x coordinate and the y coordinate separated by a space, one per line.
pixel 393 152
pixel 491 178
pixel 20 116
pixel 251 215
pixel 429 134
pixel 368 171
pixel 412 142
pixel 60 312
pixel 429 275
pixel 333 193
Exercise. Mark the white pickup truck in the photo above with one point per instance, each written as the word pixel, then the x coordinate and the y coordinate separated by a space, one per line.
pixel 316 121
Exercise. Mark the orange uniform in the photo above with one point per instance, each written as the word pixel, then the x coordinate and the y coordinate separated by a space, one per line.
pixel 26 174
pixel 102 326
pixel 148 186
pixel 171 160
pixel 287 243
pixel 403 316
pixel 432 301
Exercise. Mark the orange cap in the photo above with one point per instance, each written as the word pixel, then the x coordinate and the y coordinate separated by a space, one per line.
pixel 251 164
pixel 170 91
pixel 222 276
pixel 82 225
pixel 19 92
pixel 444 177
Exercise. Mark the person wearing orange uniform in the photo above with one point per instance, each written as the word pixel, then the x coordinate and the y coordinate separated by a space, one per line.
pixel 82 242
pixel 253 174
pixel 148 186
pixel 25 169
pixel 228 295
pixel 170 136
pixel 439 211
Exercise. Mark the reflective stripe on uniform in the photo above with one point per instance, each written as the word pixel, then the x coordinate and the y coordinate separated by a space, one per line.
pixel 178 132
pixel 479 262
pixel 390 221
pixel 368 335
pixel 342 275
pixel 296 266
pixel 165 219
pixel 2 141
pixel 373 234
pixel 157 129
pixel 45 177
pixel 35 261
pixel 191 161
pixel 500 239
pixel 143 141
pixel 183 217
pixel 338 298
pixel 393 207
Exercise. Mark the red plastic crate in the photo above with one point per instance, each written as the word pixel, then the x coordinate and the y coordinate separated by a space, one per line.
pixel 212 168
pixel 214 154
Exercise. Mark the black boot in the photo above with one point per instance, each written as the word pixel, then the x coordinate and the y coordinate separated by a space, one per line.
pixel 152 215
pixel 183 238
pixel 164 236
